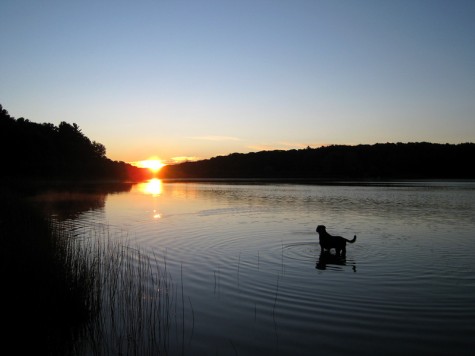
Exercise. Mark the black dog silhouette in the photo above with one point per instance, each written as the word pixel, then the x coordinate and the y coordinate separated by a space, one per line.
pixel 327 241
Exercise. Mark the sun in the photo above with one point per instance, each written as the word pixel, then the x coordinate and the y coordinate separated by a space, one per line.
pixel 152 164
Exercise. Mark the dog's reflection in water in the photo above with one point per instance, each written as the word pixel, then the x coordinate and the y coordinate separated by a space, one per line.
pixel 327 258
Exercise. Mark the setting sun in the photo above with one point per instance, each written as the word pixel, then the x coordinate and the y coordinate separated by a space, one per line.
pixel 153 164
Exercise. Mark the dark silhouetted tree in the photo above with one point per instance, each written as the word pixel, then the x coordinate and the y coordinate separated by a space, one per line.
pixel 379 161
pixel 32 150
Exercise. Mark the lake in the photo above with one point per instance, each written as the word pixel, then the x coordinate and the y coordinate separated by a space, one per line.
pixel 250 279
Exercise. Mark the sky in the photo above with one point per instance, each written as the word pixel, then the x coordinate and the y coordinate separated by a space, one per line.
pixel 196 79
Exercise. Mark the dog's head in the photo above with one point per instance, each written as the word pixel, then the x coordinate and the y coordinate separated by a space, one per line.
pixel 321 228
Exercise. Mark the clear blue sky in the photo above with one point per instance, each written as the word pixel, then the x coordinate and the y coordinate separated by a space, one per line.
pixel 204 78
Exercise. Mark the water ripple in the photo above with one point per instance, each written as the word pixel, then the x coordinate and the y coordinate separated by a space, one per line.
pixel 249 261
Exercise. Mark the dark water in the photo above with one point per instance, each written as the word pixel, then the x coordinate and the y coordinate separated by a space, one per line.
pixel 248 260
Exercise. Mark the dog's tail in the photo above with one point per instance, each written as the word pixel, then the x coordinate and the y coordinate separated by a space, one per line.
pixel 351 241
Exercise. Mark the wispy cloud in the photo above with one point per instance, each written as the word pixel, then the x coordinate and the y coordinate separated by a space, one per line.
pixel 181 159
pixel 283 146
pixel 215 138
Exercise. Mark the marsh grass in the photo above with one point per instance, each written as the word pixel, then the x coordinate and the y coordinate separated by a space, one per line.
pixel 42 297
pixel 134 296
pixel 80 295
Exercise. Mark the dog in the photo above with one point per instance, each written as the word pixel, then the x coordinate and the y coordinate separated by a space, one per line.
pixel 327 241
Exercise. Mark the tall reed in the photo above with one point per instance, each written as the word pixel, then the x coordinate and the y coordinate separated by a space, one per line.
pixel 65 294
pixel 130 296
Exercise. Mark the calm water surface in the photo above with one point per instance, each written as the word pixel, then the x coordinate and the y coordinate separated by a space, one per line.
pixel 248 260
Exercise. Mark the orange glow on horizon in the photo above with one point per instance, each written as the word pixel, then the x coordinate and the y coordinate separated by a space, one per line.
pixel 153 164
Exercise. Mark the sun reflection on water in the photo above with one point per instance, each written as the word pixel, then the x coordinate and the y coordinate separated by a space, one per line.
pixel 152 187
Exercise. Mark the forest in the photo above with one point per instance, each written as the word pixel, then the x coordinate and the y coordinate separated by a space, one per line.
pixel 44 151
pixel 47 152
pixel 420 160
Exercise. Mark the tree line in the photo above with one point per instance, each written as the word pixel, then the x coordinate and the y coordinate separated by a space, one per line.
pixel 420 160
pixel 44 151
